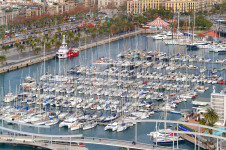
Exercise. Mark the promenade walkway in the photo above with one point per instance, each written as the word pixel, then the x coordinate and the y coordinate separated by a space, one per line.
pixel 68 141
pixel 16 61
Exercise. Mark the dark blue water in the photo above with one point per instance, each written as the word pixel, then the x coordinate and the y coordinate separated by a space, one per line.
pixel 85 58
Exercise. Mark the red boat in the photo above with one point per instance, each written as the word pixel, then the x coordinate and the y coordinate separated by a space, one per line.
pixel 65 52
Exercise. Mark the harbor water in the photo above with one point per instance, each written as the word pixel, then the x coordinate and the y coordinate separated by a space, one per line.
pixel 11 81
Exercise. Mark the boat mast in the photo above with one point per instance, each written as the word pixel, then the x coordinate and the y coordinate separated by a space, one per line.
pixel 189 22
pixel 178 23
pixel 193 28
pixel 44 58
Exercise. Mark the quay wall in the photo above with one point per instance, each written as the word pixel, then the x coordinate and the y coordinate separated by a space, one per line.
pixel 36 60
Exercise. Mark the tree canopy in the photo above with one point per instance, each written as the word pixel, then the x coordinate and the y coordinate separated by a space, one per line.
pixel 202 22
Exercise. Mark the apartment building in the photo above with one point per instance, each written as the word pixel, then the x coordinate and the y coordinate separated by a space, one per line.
pixel 2 17
pixel 140 6
pixel 103 4
pixel 218 103
pixel 182 5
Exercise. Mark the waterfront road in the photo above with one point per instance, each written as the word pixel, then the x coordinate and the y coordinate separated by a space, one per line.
pixel 74 143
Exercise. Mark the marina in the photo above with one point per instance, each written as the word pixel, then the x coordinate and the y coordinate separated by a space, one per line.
pixel 111 85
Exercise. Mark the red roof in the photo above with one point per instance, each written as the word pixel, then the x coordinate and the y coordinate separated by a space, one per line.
pixel 201 35
pixel 211 33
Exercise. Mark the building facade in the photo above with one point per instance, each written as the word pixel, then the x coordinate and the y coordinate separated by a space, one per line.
pixel 103 4
pixel 218 103
pixel 91 3
pixel 140 6
pixel 2 17
pixel 182 5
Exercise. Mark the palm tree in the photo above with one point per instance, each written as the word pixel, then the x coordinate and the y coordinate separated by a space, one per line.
pixel 33 31
pixel 42 43
pixel 2 36
pixel 39 33
pixel 56 35
pixel 68 41
pixel 84 38
pixel 53 40
pixel 48 45
pixel 27 42
pixel 33 44
pixel 21 47
pixel 49 32
pixel 79 34
pixel 24 32
pixel 37 50
pixel 202 121
pixel 58 29
pixel 71 35
pixel 76 39
pixel 211 116
pixel 46 37
pixel 211 124
pixel 37 40
pixel 57 44
pixel 17 46
pixel 6 48
pixel 2 58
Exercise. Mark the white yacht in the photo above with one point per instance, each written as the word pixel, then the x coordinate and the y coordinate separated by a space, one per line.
pixel 159 37
pixel 89 125
pixel 76 126
pixel 9 98
pixel 52 122
pixel 68 122
pixel 112 126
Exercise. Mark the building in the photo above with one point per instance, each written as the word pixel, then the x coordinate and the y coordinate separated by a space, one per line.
pixel 103 4
pixel 218 103
pixel 2 17
pixel 182 5
pixel 91 3
pixel 140 6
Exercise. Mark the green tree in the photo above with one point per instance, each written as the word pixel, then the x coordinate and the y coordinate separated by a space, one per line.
pixel 57 44
pixel 37 50
pixel 33 43
pixel 202 121
pixel 59 29
pixel 46 38
pixel 17 46
pixel 76 39
pixel 24 32
pixel 211 116
pixel 48 45
pixel 70 35
pixel 49 32
pixel 68 41
pixel 2 58
pixel 37 40
pixel 6 48
pixel 21 48
pixel 2 36
pixel 202 22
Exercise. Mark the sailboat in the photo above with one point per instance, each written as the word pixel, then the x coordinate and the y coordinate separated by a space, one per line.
pixel 9 97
